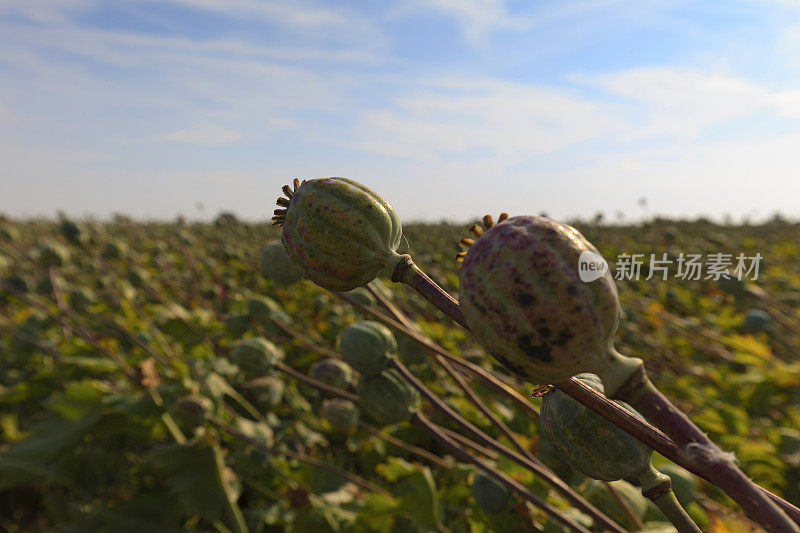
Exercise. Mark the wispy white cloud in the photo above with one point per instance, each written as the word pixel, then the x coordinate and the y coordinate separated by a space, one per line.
pixel 476 19
pixel 683 102
pixel 206 134
pixel 504 120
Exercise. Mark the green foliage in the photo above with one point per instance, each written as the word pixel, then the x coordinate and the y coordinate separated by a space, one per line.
pixel 131 417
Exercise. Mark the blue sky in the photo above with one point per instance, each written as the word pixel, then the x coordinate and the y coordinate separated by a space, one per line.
pixel 448 108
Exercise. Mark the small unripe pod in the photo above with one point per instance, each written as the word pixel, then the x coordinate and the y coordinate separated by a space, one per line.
pixel 264 309
pixel 9 233
pixel 756 320
pixel 341 414
pixel 340 233
pixel 81 298
pixel 490 495
pixel 387 397
pixel 366 346
pixel 731 285
pixel 333 372
pixel 255 357
pixel 268 393
pixel 236 324
pixel 52 254
pixel 71 231
pixel 277 266
pixel 410 352
pixel 114 250
pixel 191 411
pixel 588 442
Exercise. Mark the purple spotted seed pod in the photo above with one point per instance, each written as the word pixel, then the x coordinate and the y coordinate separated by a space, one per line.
pixel 524 300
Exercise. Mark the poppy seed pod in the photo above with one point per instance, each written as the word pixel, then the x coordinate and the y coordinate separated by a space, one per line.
pixel 339 232
pixel 524 300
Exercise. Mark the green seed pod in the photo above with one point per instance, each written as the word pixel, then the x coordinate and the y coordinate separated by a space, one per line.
pixel 71 231
pixel 265 309
pixel 44 286
pixel 339 232
pixel 731 285
pixel 81 298
pixel 257 431
pixel 268 393
pixel 255 357
pixel 276 265
pixel 114 250
pixel 174 320
pixel 588 442
pixel 490 495
pixel 756 320
pixel 341 414
pixel 410 352
pixel 525 301
pixel 333 372
pixel 138 277
pixel 52 254
pixel 236 324
pixel 17 283
pixel 9 233
pixel 387 397
pixel 366 346
pixel 191 411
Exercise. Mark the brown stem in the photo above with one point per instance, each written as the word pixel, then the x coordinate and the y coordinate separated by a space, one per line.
pixel 310 381
pixel 512 484
pixel 471 395
pixel 358 480
pixel 538 469
pixel 304 341
pixel 469 443
pixel 407 272
pixel 416 450
pixel 477 371
pixel 709 460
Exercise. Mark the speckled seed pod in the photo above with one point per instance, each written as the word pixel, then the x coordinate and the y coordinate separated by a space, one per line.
pixel 490 495
pixel 588 442
pixel 277 266
pixel 366 346
pixel 333 372
pixel 255 357
pixel 524 301
pixel 340 233
pixel 387 397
